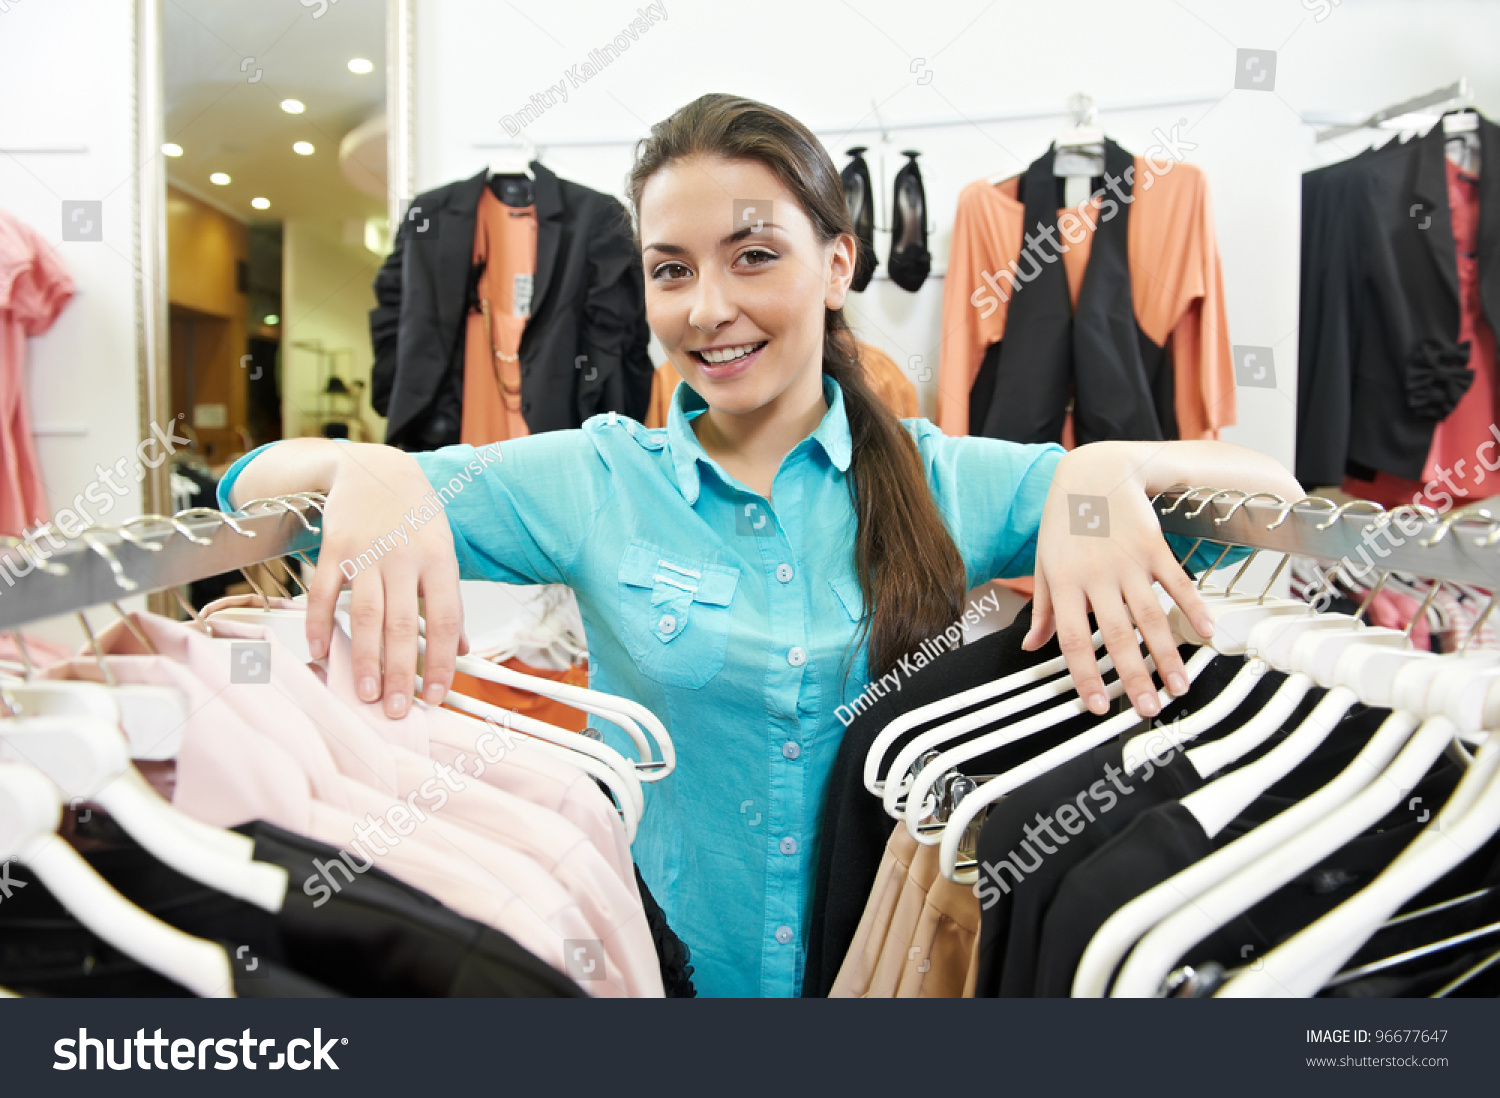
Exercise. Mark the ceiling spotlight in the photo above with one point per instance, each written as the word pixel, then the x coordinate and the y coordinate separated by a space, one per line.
pixel 219 178
pixel 303 148
pixel 361 65
pixel 293 106
pixel 272 319
pixel 171 149
pixel 261 203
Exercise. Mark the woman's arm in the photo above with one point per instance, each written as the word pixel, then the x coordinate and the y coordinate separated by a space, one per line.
pixel 371 489
pixel 1112 575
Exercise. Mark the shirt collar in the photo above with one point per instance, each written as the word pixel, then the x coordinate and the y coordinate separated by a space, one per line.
pixel 832 434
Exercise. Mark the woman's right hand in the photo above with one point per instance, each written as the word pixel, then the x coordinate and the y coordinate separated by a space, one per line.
pixel 376 539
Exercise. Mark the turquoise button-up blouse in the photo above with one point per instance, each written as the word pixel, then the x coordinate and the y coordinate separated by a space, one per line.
pixel 730 616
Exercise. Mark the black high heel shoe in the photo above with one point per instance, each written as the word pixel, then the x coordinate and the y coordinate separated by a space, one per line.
pixel 910 261
pixel 859 197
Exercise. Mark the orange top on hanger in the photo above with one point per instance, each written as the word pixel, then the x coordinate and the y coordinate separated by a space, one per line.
pixel 505 244
pixel 1175 282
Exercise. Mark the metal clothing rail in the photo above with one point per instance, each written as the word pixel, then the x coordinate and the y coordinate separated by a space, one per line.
pixel 47 574
pixel 1459 546
pixel 1458 92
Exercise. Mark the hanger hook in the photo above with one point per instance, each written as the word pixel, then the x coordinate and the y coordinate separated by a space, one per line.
pixel 1343 508
pixel 190 611
pixel 109 676
pixel 1293 506
pixel 50 567
pixel 1204 575
pixel 1452 517
pixel 1216 494
pixel 265 603
pixel 124 582
pixel 1286 558
pixel 1237 504
pixel 1422 610
pixel 28 666
pixel 1187 492
pixel 1478 623
pixel 214 515
pixel 1241 573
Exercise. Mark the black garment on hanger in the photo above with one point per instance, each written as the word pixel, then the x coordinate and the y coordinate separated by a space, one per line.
pixel 1163 841
pixel 588 307
pixel 1388 366
pixel 1120 382
pixel 855 828
pixel 1166 841
pixel 672 951
pixel 1011 921
pixel 374 937
pixel 859 197
pixel 910 261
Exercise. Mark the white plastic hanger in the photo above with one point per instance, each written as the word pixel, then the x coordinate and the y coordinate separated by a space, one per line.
pixel 951 704
pixel 1300 966
pixel 86 759
pixel 515 161
pixel 901 780
pixel 1157 952
pixel 30 811
pixel 974 804
pixel 1124 928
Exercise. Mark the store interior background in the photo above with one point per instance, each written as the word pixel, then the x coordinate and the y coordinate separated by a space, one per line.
pixel 979 88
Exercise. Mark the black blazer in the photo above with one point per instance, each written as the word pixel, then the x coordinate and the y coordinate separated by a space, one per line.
pixel 584 347
pixel 1381 362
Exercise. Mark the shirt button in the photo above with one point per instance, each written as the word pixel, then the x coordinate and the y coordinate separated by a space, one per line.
pixel 796 657
pixel 789 846
pixel 667 623
pixel 784 934
pixel 790 750
pixel 784 573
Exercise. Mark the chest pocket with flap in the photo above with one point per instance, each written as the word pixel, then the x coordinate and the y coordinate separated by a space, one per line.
pixel 675 613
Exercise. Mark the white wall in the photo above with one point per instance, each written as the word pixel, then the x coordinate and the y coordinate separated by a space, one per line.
pixel 325 299
pixel 831 64
pixel 67 79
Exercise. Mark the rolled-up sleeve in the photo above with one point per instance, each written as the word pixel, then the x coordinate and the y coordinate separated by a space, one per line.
pixel 990 494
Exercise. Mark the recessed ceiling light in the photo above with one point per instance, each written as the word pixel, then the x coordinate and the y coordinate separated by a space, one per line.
pixel 220 178
pixel 273 320
pixel 361 65
pixel 303 148
pixel 171 149
pixel 261 203
pixel 293 106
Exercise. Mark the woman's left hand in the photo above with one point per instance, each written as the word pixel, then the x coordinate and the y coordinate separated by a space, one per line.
pixel 1100 548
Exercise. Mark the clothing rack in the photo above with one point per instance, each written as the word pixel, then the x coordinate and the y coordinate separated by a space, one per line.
pixel 839 133
pixel 1459 546
pixel 1458 91
pixel 102 563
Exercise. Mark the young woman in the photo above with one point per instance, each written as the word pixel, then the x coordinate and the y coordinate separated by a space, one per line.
pixel 780 544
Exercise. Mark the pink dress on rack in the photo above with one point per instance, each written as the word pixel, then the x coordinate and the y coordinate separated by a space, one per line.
pixel 34 287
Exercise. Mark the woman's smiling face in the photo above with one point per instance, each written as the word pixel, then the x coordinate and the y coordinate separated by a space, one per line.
pixel 737 303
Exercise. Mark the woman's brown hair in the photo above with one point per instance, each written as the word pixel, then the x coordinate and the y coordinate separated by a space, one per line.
pixel 909 569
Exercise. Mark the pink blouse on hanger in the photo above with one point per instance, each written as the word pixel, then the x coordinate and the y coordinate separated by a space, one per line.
pixel 34 287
